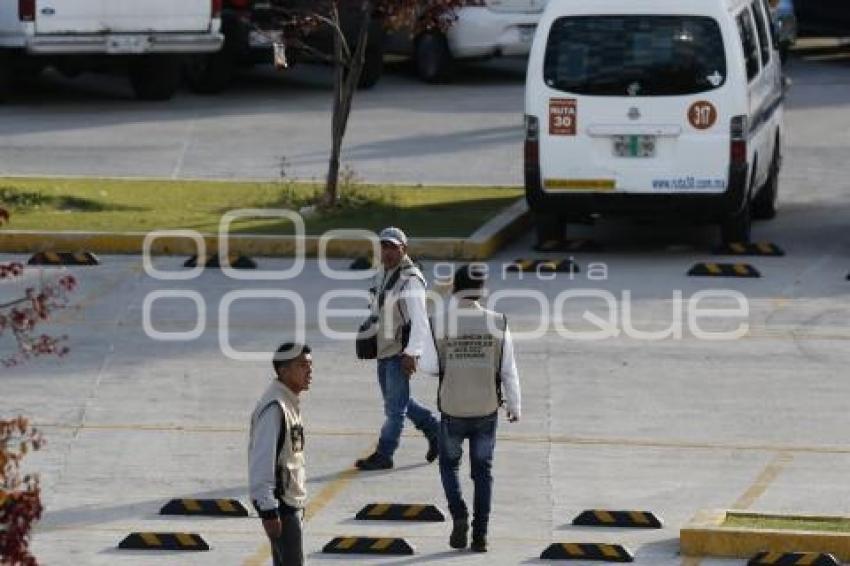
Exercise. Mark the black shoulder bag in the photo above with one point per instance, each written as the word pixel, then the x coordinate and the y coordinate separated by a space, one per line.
pixel 366 344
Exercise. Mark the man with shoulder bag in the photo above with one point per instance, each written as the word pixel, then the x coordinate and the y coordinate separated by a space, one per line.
pixel 395 335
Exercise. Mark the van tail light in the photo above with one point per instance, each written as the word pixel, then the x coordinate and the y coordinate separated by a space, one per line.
pixel 738 145
pixel 532 145
pixel 216 8
pixel 26 10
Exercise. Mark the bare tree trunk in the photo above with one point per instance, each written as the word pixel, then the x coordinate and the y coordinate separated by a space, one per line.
pixel 345 85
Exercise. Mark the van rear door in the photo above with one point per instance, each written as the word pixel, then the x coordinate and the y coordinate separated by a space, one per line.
pixel 121 16
pixel 635 104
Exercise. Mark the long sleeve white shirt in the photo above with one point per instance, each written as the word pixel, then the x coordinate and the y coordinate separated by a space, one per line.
pixel 413 295
pixel 262 457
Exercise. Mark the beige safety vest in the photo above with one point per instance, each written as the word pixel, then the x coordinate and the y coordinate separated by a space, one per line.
pixel 470 360
pixel 393 317
pixel 290 472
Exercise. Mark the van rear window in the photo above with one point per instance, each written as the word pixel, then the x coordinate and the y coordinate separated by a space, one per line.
pixel 635 55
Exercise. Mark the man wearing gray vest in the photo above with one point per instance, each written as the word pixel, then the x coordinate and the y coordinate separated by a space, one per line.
pixel 276 454
pixel 474 358
pixel 399 304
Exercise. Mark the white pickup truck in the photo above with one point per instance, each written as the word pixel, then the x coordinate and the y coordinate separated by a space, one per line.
pixel 146 38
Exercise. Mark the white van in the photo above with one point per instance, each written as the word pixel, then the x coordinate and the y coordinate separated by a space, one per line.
pixel 651 108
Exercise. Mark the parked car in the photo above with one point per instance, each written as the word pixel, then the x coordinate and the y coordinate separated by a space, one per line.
pixel 147 39
pixel 250 32
pixel 656 108
pixel 483 29
pixel 823 17
pixel 785 21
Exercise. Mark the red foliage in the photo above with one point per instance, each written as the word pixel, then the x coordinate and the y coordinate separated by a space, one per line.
pixel 20 497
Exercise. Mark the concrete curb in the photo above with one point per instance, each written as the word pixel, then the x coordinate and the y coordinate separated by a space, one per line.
pixel 704 536
pixel 482 244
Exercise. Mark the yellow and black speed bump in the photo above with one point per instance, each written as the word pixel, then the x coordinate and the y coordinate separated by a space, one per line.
pixel 64 258
pixel 543 266
pixel 214 262
pixel 724 270
pixel 587 552
pixel 207 507
pixel 567 246
pixel 395 512
pixel 628 519
pixel 756 248
pixel 163 541
pixel 793 559
pixel 366 545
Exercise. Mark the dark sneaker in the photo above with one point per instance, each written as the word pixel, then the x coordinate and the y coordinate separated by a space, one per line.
pixel 433 449
pixel 479 543
pixel 376 461
pixel 459 533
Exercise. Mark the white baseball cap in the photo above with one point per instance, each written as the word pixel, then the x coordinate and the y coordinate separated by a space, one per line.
pixel 393 235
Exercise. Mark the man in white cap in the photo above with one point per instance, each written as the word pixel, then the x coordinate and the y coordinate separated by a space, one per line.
pixel 403 330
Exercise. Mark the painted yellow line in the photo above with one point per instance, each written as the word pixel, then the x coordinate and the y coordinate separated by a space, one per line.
pixel 573 549
pixel 741 269
pixel 520 438
pixel 807 560
pixel 604 516
pixel 763 481
pixel 609 551
pixel 315 506
pixel 765 248
pixel 713 268
pixel 639 518
pixel 737 248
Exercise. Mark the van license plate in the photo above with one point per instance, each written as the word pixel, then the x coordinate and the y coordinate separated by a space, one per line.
pixel 127 44
pixel 634 146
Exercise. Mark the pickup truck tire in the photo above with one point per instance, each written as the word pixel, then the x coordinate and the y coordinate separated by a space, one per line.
pixel 210 73
pixel 5 76
pixel 155 77
pixel 373 66
pixel 433 59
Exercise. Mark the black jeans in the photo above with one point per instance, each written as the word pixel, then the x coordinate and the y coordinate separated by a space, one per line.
pixel 481 433
pixel 288 549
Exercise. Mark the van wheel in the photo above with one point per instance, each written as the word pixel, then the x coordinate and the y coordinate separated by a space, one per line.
pixel 433 59
pixel 737 227
pixel 549 228
pixel 155 77
pixel 210 73
pixel 766 202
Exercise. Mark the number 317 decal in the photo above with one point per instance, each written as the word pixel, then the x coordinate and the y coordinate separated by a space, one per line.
pixel 702 115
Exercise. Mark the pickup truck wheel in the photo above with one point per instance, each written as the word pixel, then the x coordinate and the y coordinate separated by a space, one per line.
pixel 210 73
pixel 5 76
pixel 433 58
pixel 155 77
pixel 373 66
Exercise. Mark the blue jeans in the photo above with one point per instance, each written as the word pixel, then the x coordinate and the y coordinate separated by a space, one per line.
pixel 395 388
pixel 481 432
